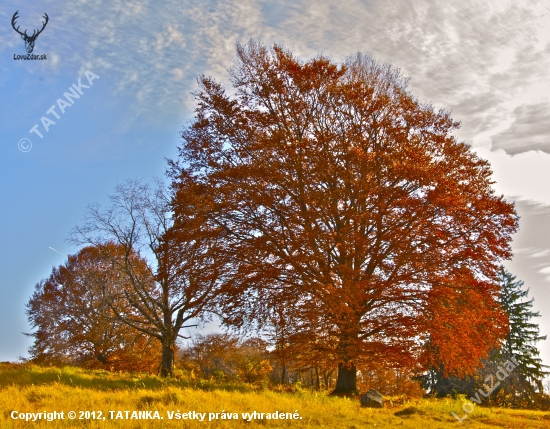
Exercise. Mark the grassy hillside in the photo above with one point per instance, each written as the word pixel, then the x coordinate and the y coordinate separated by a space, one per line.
pixel 111 399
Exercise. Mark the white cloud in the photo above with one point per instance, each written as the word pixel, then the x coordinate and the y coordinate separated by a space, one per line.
pixel 521 250
pixel 525 176
pixel 487 62
pixel 540 254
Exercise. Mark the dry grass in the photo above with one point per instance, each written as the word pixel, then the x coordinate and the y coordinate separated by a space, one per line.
pixel 32 389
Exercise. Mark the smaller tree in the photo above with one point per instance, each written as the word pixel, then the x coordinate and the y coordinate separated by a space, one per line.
pixel 392 382
pixel 212 354
pixel 75 325
pixel 225 356
pixel 251 361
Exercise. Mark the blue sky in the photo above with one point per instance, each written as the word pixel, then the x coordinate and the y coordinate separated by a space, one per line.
pixel 487 62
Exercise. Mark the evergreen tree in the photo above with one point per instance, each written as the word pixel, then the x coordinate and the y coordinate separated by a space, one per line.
pixel 520 343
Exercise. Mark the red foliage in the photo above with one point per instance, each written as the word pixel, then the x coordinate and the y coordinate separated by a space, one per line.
pixel 74 323
pixel 350 203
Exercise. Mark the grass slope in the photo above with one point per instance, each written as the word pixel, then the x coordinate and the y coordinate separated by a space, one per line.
pixel 31 389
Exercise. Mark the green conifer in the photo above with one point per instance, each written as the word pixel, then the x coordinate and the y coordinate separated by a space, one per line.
pixel 520 343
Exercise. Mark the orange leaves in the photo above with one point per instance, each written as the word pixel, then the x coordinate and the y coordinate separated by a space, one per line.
pixel 464 321
pixel 350 201
pixel 74 322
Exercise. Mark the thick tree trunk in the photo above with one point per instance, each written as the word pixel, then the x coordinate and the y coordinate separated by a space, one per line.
pixel 346 383
pixel 348 351
pixel 167 363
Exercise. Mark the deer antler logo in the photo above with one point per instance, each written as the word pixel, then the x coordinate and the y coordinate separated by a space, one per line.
pixel 29 40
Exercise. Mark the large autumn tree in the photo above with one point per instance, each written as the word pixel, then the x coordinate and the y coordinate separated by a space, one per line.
pixel 74 324
pixel 185 274
pixel 349 202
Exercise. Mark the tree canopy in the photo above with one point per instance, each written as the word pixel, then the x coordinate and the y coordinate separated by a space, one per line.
pixel 74 322
pixel 349 203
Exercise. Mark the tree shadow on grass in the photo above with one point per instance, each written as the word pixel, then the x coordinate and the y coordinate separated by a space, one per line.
pixel 22 375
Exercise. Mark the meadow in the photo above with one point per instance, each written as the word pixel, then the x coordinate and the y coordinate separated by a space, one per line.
pixel 101 399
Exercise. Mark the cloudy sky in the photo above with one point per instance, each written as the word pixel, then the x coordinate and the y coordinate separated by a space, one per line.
pixel 487 62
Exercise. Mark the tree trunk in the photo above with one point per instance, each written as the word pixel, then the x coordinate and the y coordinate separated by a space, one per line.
pixel 317 379
pixel 167 363
pixel 326 377
pixel 346 383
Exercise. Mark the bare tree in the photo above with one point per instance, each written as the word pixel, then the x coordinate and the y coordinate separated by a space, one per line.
pixel 181 253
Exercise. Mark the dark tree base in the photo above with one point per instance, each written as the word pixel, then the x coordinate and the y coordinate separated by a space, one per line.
pixel 346 383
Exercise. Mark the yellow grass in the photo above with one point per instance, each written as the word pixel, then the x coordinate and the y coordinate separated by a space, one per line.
pixel 31 389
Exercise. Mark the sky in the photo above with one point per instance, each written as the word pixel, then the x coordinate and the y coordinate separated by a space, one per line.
pixel 134 66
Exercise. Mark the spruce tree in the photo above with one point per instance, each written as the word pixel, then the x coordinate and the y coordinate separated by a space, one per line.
pixel 520 343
